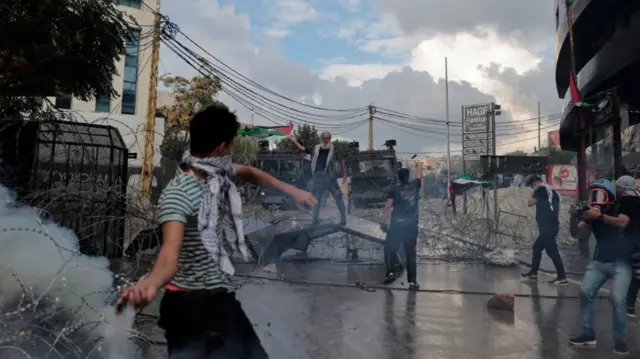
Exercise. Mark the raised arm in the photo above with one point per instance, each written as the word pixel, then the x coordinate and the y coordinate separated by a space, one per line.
pixel 296 143
pixel 263 179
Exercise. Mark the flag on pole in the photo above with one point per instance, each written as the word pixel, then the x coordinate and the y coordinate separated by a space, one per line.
pixel 259 132
pixel 576 96
pixel 465 182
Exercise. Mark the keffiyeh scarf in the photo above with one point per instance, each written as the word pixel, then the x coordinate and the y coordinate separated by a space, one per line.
pixel 316 153
pixel 550 191
pixel 220 216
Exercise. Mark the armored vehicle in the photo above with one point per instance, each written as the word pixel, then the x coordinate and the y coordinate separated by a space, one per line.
pixel 287 166
pixel 372 172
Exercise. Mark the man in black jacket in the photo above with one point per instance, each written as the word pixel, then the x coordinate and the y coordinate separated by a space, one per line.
pixel 404 200
pixel 547 204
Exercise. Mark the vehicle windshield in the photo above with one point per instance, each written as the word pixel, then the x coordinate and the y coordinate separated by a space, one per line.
pixel 290 168
pixel 269 166
pixel 373 167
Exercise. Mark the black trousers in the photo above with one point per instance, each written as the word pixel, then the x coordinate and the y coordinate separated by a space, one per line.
pixel 547 242
pixel 402 233
pixel 208 325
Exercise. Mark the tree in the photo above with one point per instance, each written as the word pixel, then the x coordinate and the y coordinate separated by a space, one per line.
pixel 54 47
pixel 341 148
pixel 558 157
pixel 306 135
pixel 517 153
pixel 192 95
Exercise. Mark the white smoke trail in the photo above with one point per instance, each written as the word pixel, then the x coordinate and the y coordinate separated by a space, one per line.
pixel 50 293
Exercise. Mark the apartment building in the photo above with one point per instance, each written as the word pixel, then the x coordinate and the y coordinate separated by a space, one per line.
pixel 127 112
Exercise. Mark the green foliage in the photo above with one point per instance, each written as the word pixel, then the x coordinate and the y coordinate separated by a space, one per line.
pixel 191 95
pixel 306 135
pixel 517 153
pixel 53 47
pixel 558 157
pixel 341 148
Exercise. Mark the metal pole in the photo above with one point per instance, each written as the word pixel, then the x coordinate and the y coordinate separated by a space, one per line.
pixel 488 153
pixel 495 177
pixel 618 166
pixel 464 165
pixel 539 148
pixel 446 96
pixel 371 111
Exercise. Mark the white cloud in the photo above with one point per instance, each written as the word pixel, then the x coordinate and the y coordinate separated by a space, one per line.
pixel 357 74
pixel 485 66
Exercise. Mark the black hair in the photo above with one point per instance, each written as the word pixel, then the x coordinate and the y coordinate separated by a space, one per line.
pixel 403 175
pixel 210 128
pixel 531 180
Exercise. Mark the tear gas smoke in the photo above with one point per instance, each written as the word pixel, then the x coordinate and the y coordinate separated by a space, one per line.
pixel 52 297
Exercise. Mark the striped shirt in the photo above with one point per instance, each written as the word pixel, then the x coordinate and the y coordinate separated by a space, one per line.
pixel 180 201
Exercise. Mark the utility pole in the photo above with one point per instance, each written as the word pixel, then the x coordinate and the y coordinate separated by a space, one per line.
pixel 446 96
pixel 372 110
pixel 146 176
pixel 539 147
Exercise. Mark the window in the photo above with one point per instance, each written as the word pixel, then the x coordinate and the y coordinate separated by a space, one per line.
pixel 131 73
pixel 63 102
pixel 130 3
pixel 103 103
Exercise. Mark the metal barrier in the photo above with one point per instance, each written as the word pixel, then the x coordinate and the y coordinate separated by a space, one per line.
pixel 76 173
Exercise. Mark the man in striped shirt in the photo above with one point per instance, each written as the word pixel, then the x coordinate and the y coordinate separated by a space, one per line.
pixel 199 311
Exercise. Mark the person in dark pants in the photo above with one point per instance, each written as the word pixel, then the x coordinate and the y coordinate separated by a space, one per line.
pixel 323 179
pixel 610 262
pixel 199 212
pixel 404 200
pixel 547 202
pixel 628 202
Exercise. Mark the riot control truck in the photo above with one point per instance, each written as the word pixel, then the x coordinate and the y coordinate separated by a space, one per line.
pixel 372 173
pixel 287 166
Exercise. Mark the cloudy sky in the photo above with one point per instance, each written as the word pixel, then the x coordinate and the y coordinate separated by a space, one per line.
pixel 347 54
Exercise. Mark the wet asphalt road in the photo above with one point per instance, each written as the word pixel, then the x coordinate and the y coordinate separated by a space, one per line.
pixel 447 319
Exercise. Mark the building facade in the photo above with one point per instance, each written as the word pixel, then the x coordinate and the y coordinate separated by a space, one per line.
pixel 128 110
pixel 606 65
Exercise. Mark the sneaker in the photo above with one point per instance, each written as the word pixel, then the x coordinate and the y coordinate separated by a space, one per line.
pixel 390 278
pixel 559 282
pixel 526 277
pixel 583 341
pixel 631 313
pixel 621 349
pixel 413 286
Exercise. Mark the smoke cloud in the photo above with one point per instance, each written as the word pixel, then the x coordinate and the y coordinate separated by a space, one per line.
pixel 53 298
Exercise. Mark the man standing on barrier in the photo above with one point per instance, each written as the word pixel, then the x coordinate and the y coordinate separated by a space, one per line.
pixel 610 262
pixel 323 156
pixel 200 215
pixel 629 203
pixel 547 202
pixel 404 200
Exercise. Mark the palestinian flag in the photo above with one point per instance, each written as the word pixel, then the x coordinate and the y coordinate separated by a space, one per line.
pixel 260 132
pixel 576 96
pixel 463 183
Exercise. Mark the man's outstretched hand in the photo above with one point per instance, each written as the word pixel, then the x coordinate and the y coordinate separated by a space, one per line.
pixel 303 198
